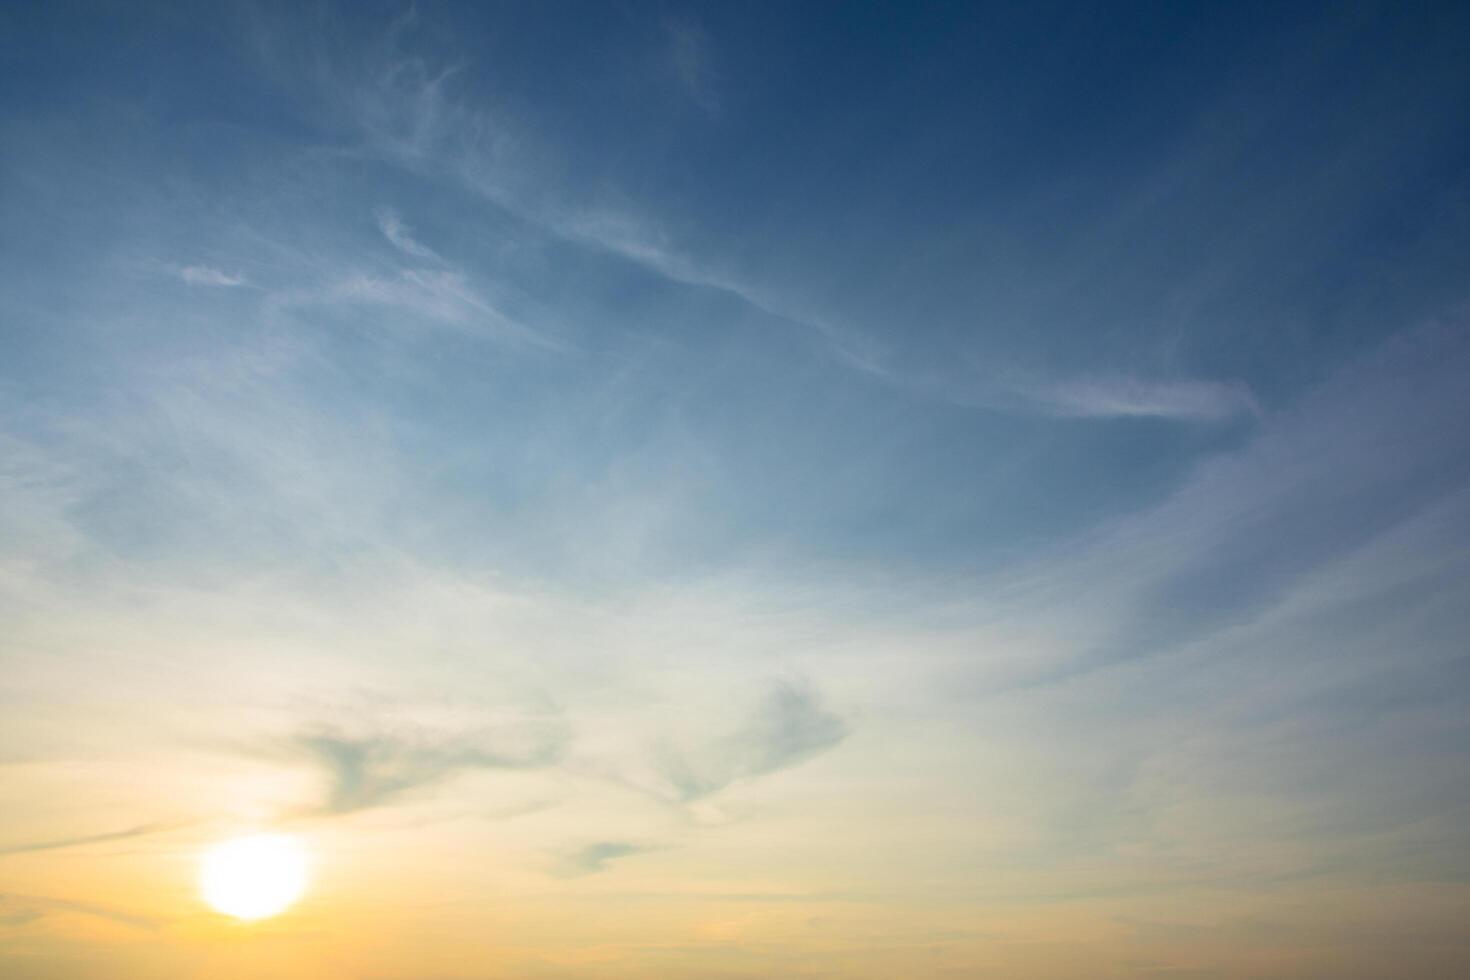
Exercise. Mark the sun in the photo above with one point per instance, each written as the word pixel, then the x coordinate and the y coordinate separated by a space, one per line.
pixel 253 877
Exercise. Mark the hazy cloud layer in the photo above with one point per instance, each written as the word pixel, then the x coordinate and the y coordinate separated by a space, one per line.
pixel 788 727
pixel 366 771
pixel 595 857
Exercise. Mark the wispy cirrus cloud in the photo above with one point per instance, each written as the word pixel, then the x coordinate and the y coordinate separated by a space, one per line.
pixel 436 296
pixel 204 275
pixel 593 858
pixel 789 726
pixel 366 771
pixel 486 166
pixel 64 843
pixel 393 229
pixel 1249 530
pixel 445 296
pixel 1134 397
pixel 404 106
pixel 689 56
pixel 19 910
pixel 1099 397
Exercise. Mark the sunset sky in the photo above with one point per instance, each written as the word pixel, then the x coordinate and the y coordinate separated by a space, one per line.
pixel 777 490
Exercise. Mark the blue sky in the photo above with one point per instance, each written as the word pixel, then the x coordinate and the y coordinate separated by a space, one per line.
pixel 710 418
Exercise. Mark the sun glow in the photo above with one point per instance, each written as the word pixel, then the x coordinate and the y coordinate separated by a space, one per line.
pixel 254 877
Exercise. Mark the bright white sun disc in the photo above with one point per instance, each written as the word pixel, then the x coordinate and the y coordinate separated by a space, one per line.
pixel 254 877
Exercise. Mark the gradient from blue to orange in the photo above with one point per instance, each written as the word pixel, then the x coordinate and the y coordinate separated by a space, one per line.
pixel 802 490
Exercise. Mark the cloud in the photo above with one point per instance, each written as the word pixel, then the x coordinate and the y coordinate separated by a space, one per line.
pixel 789 727
pixel 61 843
pixel 1186 401
pixel 1356 459
pixel 688 50
pixel 366 771
pixel 406 112
pixel 1251 530
pixel 435 295
pixel 594 857
pixel 18 910
pixel 396 232
pixel 1118 396
pixel 18 918
pixel 203 275
pixel 443 295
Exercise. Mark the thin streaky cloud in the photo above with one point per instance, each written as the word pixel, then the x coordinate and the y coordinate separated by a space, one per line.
pixel 367 771
pixel 1185 401
pixel 593 858
pixel 31 907
pixel 397 232
pixel 422 296
pixel 64 843
pixel 203 275
pixel 689 55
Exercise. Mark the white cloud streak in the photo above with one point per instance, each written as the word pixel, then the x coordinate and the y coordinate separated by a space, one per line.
pixel 1185 401
pixel 395 231
pixel 203 275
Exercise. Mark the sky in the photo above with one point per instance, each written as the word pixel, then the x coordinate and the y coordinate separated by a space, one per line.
pixel 821 490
